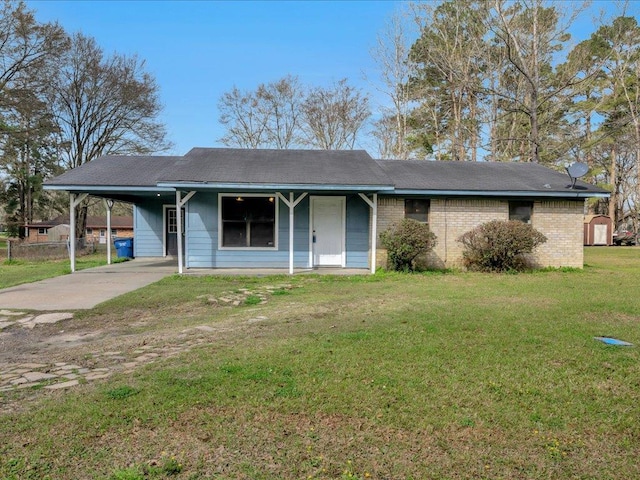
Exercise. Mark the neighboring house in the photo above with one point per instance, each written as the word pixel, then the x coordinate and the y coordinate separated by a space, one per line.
pixel 231 208
pixel 58 229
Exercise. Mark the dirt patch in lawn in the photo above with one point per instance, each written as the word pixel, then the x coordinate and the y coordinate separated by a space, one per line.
pixel 74 351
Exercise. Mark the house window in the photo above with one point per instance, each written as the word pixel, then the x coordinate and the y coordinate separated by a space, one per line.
pixel 248 221
pixel 520 211
pixel 103 233
pixel 42 231
pixel 114 232
pixel 417 209
pixel 89 231
pixel 172 221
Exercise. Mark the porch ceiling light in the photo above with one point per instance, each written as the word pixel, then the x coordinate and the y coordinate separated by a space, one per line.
pixel 239 199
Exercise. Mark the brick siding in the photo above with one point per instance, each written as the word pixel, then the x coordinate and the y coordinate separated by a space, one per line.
pixel 561 222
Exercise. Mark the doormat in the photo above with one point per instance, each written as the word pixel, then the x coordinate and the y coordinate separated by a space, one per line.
pixel 613 341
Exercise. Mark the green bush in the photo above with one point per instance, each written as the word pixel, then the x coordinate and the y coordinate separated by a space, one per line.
pixel 499 245
pixel 406 240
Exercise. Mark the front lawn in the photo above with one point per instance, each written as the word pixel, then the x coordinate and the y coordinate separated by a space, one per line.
pixel 16 272
pixel 432 376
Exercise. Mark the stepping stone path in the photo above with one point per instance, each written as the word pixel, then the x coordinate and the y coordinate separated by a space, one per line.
pixel 29 321
pixel 63 375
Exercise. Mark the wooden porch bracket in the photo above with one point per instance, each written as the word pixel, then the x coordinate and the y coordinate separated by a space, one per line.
pixel 181 202
pixel 373 204
pixel 292 203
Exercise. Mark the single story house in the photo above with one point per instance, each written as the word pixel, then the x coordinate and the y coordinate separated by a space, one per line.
pixel 57 229
pixel 234 208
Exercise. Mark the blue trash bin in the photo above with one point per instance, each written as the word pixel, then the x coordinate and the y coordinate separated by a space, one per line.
pixel 124 247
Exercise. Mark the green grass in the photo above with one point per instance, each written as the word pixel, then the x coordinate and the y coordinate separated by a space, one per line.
pixel 451 376
pixel 16 272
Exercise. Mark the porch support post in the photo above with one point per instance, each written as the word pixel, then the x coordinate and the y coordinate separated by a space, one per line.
pixel 179 228
pixel 373 204
pixel 108 203
pixel 181 202
pixel 291 203
pixel 74 201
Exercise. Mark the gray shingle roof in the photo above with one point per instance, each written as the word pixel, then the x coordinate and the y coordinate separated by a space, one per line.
pixel 231 165
pixel 220 166
pixel 313 167
pixel 478 177
pixel 135 171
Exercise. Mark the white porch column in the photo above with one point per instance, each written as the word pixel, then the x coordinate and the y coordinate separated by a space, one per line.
pixel 72 231
pixel 108 203
pixel 179 228
pixel 291 203
pixel 181 202
pixel 373 204
pixel 74 201
pixel 291 220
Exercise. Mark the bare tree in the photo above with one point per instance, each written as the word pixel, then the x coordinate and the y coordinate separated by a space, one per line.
pixel 391 54
pixel 280 103
pixel 27 154
pixel 268 117
pixel 25 43
pixel 333 117
pixel 103 105
pixel 245 123
pixel 282 115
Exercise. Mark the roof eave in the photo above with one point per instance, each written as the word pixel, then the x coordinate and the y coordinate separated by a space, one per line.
pixel 107 188
pixel 274 186
pixel 502 193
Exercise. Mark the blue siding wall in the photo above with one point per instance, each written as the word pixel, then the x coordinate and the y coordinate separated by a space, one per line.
pixel 202 238
pixel 357 232
pixel 201 224
pixel 202 230
pixel 274 258
pixel 147 218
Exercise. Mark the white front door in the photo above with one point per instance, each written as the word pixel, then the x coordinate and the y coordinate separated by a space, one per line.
pixel 328 225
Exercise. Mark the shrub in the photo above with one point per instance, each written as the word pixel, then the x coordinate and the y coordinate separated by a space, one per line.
pixel 406 240
pixel 498 246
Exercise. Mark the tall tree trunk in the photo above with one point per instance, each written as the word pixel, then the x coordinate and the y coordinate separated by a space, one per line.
pixel 613 199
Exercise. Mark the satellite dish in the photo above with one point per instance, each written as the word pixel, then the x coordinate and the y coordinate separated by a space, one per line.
pixel 575 171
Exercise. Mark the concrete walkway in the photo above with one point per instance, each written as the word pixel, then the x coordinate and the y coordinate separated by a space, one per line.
pixel 85 289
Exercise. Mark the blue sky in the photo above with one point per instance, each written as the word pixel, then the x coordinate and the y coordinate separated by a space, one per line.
pixel 197 50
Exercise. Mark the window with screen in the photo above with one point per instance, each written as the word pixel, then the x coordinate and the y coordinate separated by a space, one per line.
pixel 417 209
pixel 521 211
pixel 248 221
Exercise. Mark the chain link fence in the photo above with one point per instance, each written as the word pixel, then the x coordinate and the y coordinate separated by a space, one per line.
pixel 17 250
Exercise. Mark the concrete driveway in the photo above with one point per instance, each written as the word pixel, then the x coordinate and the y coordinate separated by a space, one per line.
pixel 85 289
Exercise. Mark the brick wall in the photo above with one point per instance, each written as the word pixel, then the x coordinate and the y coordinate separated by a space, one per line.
pixel 560 221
